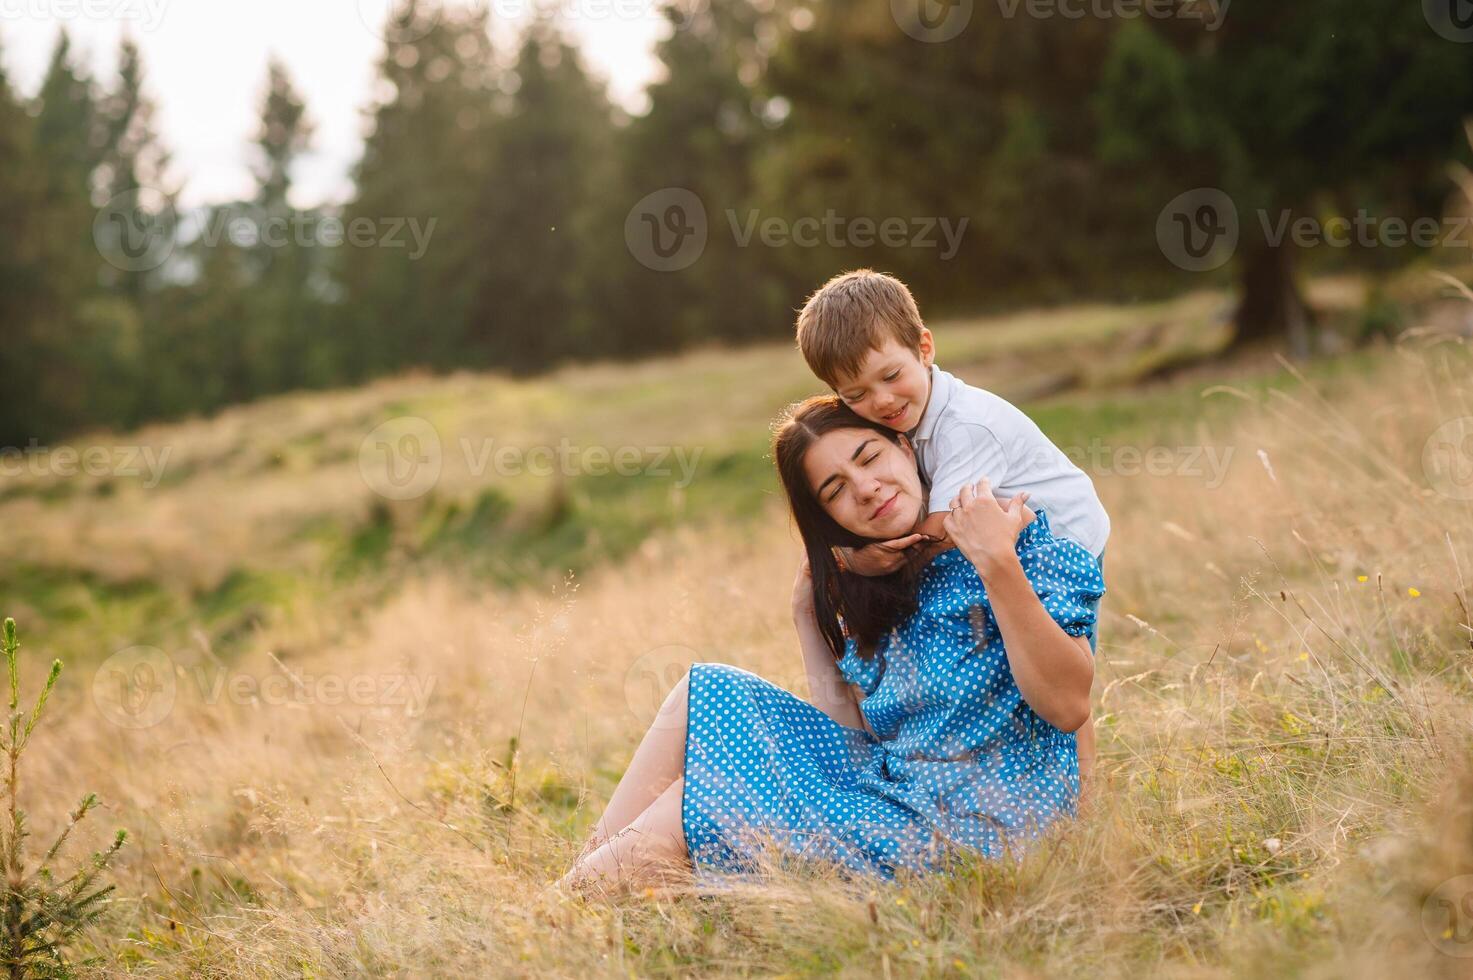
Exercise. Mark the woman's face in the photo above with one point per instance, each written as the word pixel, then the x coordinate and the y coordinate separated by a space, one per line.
pixel 866 483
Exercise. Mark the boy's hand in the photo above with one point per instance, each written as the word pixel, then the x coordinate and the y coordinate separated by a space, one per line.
pixel 878 558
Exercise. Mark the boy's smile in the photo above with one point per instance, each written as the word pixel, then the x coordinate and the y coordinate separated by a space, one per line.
pixel 892 385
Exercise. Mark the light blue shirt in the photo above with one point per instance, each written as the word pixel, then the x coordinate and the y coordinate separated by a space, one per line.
pixel 967 433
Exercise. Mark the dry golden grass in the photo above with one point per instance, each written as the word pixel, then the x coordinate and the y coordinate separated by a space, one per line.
pixel 1283 705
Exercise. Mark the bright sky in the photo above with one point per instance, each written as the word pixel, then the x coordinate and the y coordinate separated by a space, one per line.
pixel 206 62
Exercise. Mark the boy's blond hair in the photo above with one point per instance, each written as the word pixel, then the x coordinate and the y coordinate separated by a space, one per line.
pixel 851 315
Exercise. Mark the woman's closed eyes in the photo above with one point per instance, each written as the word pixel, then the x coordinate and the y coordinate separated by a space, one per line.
pixel 839 487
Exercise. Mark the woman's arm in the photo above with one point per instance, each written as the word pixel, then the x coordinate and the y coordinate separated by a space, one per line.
pixel 827 689
pixel 1053 670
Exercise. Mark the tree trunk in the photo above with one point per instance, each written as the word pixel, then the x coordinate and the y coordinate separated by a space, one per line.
pixel 1271 307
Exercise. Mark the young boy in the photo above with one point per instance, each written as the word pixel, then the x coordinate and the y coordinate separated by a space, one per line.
pixel 862 334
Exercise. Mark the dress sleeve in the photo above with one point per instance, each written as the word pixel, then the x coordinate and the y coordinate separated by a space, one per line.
pixel 1067 579
pixel 862 672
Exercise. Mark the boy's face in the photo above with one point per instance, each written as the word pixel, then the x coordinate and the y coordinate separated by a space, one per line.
pixel 892 385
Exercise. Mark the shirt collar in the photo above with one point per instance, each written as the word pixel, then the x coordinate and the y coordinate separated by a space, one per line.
pixel 935 404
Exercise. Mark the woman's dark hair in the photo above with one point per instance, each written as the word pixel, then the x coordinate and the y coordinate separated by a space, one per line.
pixel 871 606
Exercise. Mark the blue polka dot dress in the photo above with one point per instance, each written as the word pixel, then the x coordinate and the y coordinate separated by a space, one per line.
pixel 961 762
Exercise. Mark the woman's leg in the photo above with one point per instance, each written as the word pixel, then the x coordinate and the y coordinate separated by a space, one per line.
pixel 652 847
pixel 658 762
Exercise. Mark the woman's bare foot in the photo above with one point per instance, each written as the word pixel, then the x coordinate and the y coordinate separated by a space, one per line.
pixel 593 843
pixel 633 859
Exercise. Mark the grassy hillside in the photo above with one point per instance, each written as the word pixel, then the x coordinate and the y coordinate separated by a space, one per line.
pixel 368 731
pixel 222 525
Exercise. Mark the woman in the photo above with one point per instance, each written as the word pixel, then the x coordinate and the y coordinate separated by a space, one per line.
pixel 943 698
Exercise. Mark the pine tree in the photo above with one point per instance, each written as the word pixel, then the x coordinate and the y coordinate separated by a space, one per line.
pixel 425 158
pixel 550 146
pixel 133 159
pixel 66 121
pixel 67 144
pixel 283 135
pixel 41 912
pixel 992 127
pixel 289 352
pixel 703 133
pixel 30 293
pixel 1286 108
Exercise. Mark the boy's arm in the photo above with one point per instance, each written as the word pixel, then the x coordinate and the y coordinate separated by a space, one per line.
pixel 880 557
pixel 964 453
pixel 934 526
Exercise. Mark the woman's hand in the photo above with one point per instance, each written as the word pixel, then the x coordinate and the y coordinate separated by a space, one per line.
pixel 986 529
pixel 803 594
